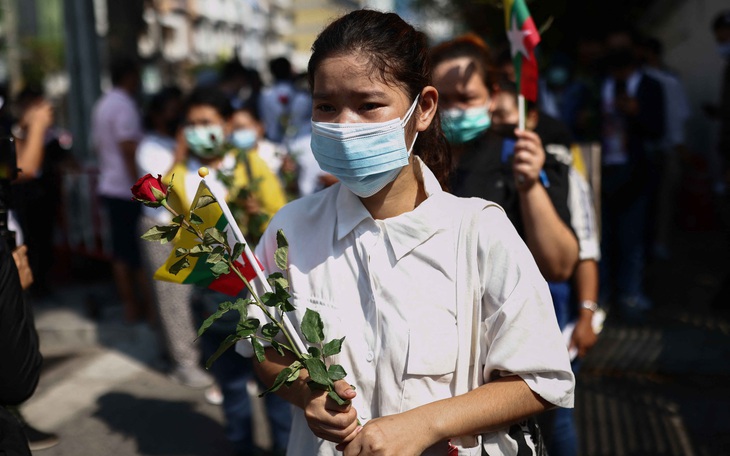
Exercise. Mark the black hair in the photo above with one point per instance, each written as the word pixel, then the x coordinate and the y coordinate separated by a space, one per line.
pixel 232 70
pixel 158 102
pixel 721 21
pixel 210 96
pixel 469 45
pixel 280 68
pixel 251 107
pixel 399 54
pixel 121 68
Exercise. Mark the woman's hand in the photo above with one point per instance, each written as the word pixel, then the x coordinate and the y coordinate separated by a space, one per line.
pixel 329 420
pixel 529 159
pixel 583 338
pixel 20 255
pixel 397 435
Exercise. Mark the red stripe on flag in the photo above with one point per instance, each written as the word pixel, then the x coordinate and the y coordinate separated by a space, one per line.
pixel 230 283
pixel 528 76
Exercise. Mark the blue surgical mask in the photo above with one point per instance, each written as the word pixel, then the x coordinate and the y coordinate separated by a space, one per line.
pixel 244 139
pixel 462 125
pixel 205 141
pixel 365 157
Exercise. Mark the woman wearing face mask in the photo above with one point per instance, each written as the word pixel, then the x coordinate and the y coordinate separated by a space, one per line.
pixel 253 195
pixel 448 323
pixel 504 165
pixel 156 155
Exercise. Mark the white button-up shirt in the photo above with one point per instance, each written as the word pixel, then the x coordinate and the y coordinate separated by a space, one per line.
pixel 389 287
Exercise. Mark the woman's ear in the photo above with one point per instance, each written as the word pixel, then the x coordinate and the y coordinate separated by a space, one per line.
pixel 428 102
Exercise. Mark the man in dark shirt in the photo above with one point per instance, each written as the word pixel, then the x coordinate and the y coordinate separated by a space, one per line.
pixel 20 359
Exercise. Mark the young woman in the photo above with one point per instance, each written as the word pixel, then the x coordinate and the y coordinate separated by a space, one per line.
pixel 437 351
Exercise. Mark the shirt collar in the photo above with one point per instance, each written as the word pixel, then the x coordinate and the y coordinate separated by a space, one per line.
pixel 406 231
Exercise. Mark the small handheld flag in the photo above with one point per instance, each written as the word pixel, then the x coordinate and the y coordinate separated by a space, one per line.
pixel 524 38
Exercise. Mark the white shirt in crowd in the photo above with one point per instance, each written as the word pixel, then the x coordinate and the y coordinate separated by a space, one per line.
pixel 676 106
pixel 285 111
pixel 583 216
pixel 155 155
pixel 115 119
pixel 389 286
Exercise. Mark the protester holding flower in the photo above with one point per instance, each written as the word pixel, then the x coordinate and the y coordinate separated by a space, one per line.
pixel 450 332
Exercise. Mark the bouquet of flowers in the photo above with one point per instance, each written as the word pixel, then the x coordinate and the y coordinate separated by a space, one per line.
pixel 209 245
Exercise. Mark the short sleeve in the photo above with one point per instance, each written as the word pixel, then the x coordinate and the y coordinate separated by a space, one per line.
pixel 520 331
pixel 126 123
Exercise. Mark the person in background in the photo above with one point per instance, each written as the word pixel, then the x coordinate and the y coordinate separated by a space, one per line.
pixel 116 129
pixel 633 121
pixel 670 149
pixel 285 110
pixel 156 155
pixel 36 193
pixel 574 301
pixel 20 357
pixel 253 195
pixel 507 166
pixel 721 112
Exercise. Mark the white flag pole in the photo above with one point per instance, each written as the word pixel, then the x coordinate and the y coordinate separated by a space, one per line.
pixel 251 259
pixel 521 110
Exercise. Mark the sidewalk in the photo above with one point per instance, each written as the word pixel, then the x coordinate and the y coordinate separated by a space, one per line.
pixel 103 389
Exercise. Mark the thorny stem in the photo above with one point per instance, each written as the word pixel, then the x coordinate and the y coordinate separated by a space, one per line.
pixel 292 346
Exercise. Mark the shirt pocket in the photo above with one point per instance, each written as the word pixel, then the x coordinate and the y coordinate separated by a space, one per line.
pixel 432 352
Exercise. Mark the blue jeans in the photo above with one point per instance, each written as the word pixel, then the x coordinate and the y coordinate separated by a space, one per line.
pixel 561 438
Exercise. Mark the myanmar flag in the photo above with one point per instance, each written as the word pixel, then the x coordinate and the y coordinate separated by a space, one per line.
pixel 523 38
pixel 199 272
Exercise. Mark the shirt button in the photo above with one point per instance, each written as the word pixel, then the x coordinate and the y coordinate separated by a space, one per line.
pixel 370 356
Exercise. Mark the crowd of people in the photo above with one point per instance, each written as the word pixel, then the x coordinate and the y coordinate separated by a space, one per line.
pixel 461 256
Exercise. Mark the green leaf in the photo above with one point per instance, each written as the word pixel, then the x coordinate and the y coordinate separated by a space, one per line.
pixel 317 371
pixel 225 345
pixel 269 299
pixel 246 328
pixel 258 350
pixel 280 380
pixel 199 250
pixel 336 372
pixel 281 239
pixel 155 233
pixel 220 268
pixel 222 309
pixel 281 257
pixel 295 367
pixel 181 252
pixel 278 347
pixel 195 219
pixel 179 266
pixel 278 278
pixel 315 352
pixel 238 250
pixel 203 201
pixel 241 305
pixel 214 236
pixel 333 347
pixel 331 393
pixel 178 218
pixel 170 235
pixel 270 330
pixel 312 327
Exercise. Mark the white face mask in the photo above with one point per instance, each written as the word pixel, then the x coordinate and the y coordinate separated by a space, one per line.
pixel 365 157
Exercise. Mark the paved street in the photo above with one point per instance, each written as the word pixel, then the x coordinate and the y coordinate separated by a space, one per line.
pixel 657 389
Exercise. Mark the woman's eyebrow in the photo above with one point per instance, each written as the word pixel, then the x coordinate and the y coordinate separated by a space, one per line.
pixel 358 93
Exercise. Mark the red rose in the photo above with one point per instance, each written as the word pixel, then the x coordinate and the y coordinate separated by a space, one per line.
pixel 150 190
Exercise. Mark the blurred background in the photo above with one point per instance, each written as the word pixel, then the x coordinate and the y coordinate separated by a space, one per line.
pixel 657 388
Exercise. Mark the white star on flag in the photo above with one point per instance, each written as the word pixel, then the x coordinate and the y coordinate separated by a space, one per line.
pixel 517 39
